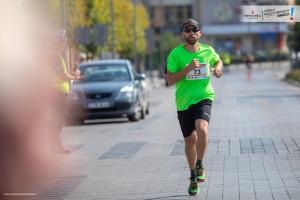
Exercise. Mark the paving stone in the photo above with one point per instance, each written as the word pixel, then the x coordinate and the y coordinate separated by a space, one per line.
pixel 253 150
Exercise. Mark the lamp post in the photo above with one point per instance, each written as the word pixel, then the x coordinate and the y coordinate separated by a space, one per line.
pixel 278 37
pixel 135 35
pixel 62 10
pixel 112 16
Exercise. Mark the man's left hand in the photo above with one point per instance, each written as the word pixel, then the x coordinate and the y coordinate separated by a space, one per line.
pixel 217 72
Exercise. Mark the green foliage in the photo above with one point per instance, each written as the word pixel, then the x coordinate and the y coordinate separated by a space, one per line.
pixel 76 14
pixel 124 27
pixel 169 41
pixel 166 43
pixel 86 13
pixel 294 75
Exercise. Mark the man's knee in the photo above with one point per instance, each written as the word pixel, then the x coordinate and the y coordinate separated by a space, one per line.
pixel 190 141
pixel 201 127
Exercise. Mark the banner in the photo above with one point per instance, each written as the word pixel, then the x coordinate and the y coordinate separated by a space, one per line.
pixel 270 13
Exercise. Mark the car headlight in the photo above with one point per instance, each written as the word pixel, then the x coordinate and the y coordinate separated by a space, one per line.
pixel 126 93
pixel 73 96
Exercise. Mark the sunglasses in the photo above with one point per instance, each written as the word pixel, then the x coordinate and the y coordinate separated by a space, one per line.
pixel 188 30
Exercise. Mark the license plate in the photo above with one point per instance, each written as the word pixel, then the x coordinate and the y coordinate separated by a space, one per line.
pixel 104 104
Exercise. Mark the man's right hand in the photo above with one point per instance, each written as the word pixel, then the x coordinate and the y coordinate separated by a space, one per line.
pixel 194 64
pixel 173 78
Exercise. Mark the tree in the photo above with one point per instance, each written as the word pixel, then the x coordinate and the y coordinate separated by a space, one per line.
pixel 293 41
pixel 87 13
pixel 76 14
pixel 168 41
pixel 123 12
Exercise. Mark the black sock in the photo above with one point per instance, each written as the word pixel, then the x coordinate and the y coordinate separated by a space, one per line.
pixel 199 162
pixel 193 174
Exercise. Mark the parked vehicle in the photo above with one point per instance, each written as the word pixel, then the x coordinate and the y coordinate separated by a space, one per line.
pixel 108 89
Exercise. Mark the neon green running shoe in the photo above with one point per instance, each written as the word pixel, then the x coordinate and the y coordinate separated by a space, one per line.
pixel 200 173
pixel 193 188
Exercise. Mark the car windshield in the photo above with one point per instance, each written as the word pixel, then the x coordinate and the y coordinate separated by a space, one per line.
pixel 105 72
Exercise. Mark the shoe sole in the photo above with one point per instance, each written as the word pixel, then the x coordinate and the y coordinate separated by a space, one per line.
pixel 194 194
pixel 201 180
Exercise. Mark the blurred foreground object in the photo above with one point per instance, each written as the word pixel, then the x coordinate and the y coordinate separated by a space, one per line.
pixel 25 83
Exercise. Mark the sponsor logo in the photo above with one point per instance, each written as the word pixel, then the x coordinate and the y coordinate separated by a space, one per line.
pixel 253 15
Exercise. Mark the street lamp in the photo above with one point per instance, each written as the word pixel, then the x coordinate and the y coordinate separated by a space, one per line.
pixel 134 33
pixel 62 10
pixel 276 29
pixel 112 16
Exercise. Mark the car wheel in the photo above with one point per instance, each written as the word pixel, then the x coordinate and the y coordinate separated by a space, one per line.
pixel 75 122
pixel 147 109
pixel 143 113
pixel 136 116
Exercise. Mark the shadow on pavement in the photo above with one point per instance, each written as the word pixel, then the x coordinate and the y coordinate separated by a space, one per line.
pixel 92 122
pixel 169 197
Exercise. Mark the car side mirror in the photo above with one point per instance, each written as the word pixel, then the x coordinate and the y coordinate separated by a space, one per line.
pixel 140 77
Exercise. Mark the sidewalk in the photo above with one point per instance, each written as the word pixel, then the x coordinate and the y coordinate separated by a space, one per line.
pixel 253 151
pixel 254 146
pixel 154 80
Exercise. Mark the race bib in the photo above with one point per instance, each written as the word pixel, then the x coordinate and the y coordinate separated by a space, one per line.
pixel 199 73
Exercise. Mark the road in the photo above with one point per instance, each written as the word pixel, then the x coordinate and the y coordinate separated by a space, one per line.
pixel 253 151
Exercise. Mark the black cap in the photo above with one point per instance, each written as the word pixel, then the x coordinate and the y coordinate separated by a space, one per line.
pixel 190 22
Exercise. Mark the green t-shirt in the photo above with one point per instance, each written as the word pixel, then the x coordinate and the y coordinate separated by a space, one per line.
pixel 196 85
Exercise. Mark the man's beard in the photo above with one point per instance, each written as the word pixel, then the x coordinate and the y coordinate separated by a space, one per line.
pixel 191 40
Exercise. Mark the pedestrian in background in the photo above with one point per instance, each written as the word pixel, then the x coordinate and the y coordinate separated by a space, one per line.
pixel 59 92
pixel 190 66
pixel 226 61
pixel 248 59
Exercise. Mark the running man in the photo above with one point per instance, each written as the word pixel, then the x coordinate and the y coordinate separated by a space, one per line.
pixel 190 66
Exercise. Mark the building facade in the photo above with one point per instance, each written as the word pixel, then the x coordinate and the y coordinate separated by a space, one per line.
pixel 221 24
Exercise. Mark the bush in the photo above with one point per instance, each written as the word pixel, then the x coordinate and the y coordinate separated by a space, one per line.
pixel 294 75
pixel 277 56
pixel 263 56
pixel 236 59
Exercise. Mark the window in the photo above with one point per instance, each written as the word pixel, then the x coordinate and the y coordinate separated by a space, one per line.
pixel 180 11
pixel 168 15
pixel 189 12
pixel 105 72
pixel 151 12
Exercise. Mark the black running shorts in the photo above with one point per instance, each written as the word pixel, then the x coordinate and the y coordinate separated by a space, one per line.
pixel 187 118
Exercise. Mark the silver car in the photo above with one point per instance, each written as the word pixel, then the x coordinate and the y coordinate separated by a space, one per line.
pixel 109 88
